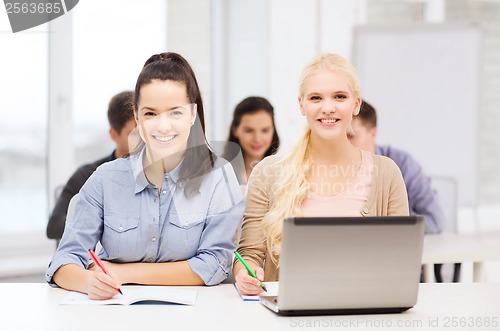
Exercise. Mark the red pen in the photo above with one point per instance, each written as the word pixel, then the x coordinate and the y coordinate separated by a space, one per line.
pixel 97 261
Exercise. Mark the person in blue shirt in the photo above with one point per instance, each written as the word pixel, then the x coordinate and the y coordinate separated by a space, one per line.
pixel 165 215
pixel 422 198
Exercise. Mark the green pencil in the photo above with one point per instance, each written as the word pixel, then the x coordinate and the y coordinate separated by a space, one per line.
pixel 250 271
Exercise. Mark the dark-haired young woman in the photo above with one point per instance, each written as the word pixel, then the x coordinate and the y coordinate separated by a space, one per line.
pixel 254 132
pixel 167 214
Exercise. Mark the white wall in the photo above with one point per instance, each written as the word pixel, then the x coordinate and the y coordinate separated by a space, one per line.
pixel 189 34
pixel 267 43
pixel 248 39
pixel 405 73
pixel 487 15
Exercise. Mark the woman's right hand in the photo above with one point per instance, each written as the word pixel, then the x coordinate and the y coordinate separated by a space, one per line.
pixel 101 286
pixel 246 284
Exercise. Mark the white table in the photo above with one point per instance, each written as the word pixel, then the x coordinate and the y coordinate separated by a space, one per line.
pixel 458 248
pixel 35 307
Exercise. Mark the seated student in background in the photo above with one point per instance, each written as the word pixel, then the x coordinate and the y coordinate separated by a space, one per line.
pixel 323 175
pixel 421 197
pixel 253 130
pixel 165 215
pixel 121 123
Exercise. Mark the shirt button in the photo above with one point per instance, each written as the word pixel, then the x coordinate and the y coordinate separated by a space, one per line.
pixel 164 192
pixel 120 228
pixel 186 225
pixel 150 259
pixel 153 239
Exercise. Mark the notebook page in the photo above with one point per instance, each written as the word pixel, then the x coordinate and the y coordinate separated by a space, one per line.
pixel 136 294
pixel 272 290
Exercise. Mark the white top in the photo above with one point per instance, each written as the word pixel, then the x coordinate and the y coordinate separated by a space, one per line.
pixel 347 201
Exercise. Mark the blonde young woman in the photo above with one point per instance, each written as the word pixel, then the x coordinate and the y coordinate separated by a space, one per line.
pixel 323 175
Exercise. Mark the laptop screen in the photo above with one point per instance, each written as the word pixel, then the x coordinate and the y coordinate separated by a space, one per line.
pixel 350 262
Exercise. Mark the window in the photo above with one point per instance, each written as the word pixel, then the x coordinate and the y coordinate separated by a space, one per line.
pixel 23 128
pixel 111 41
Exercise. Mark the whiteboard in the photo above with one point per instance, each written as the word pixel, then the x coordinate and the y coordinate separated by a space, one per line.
pixel 424 82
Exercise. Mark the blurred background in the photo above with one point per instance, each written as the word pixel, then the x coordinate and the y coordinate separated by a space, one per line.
pixel 56 81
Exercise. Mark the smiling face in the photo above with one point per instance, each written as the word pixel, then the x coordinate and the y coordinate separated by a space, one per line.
pixel 255 134
pixel 328 104
pixel 164 116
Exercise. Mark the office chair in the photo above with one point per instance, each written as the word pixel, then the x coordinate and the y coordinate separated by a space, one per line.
pixel 57 191
pixel 71 208
pixel 447 192
pixel 70 212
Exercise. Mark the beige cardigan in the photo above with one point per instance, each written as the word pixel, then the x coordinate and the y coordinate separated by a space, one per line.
pixel 387 197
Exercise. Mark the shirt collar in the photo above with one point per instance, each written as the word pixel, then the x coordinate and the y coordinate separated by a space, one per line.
pixel 174 174
pixel 141 181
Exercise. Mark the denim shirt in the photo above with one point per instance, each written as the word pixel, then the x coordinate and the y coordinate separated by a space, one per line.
pixel 120 208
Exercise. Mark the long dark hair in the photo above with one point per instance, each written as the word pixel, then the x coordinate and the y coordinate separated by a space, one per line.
pixel 250 105
pixel 198 159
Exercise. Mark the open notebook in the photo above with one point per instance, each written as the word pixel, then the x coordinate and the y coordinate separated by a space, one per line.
pixel 131 295
pixel 272 290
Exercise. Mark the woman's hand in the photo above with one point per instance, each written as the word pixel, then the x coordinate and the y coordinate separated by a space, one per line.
pixel 246 284
pixel 101 286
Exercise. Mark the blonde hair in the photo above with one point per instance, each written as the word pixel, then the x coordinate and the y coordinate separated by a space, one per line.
pixel 290 190
pixel 332 62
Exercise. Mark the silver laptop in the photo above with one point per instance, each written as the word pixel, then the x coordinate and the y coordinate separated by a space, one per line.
pixel 348 265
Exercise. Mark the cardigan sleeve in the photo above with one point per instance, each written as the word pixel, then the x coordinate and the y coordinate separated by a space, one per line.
pixel 252 245
pixel 398 197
